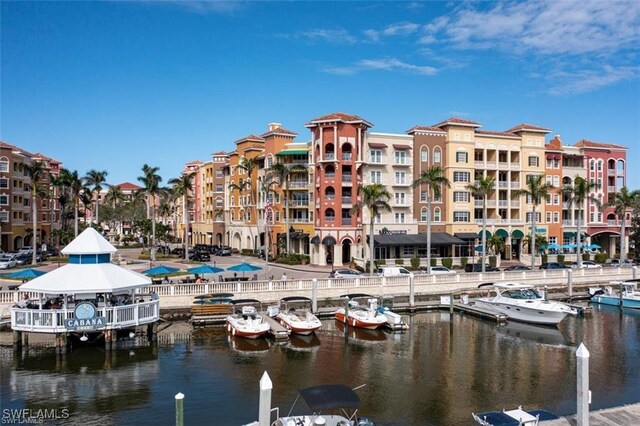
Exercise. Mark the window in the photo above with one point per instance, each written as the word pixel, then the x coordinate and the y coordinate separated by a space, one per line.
pixel 269 162
pixel 218 202
pixel 276 217
pixel 461 176
pixel 423 214
pixel 556 199
pixel 401 157
pixel 461 216
pixel 375 177
pixel 548 217
pixel 400 178
pixel 461 157
pixel 461 196
pixel 537 217
pixel 4 200
pixel 548 199
pixel 556 181
pixel 533 161
pixel 436 155
pixel 4 183
pixel 233 215
pixel 591 217
pixel 599 165
pixel 4 166
pixel 549 163
pixel 219 187
pixel 436 214
pixel 549 179
pixel 424 155
pixel 377 218
pixel 592 165
pixel 556 164
pixel 218 173
pixel 556 217
pixel 407 251
pixel 375 156
pixel 399 217
pixel 248 214
pixel 423 196
pixel 400 198
pixel 553 240
pixel 438 198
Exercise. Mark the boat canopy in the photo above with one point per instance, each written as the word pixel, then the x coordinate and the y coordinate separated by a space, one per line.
pixel 328 397
pixel 356 295
pixel 510 286
pixel 241 301
pixel 296 299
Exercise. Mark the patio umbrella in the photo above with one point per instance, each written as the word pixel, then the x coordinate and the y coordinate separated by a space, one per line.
pixel 26 274
pixel 204 269
pixel 594 247
pixel 244 267
pixel 567 246
pixel 554 246
pixel 160 270
pixel 479 249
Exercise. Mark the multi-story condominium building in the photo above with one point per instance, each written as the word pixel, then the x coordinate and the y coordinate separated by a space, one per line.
pixel 209 193
pixel 554 204
pixel 16 219
pixel 606 166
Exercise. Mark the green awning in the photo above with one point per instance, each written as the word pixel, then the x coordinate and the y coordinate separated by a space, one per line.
pixel 517 234
pixel 569 234
pixel 502 233
pixel 292 152
pixel 488 234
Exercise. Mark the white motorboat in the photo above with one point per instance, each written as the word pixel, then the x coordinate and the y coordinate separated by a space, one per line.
pixel 628 296
pixel 366 316
pixel 522 302
pixel 247 322
pixel 515 417
pixel 332 405
pixel 298 320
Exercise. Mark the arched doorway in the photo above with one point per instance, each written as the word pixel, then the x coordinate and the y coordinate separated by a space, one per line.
pixel 346 252
pixel 218 239
pixel 17 242
pixel 237 241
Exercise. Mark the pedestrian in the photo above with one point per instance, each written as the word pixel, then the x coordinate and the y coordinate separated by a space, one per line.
pixel 284 276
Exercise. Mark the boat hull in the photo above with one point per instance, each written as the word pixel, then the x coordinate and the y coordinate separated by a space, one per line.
pixel 615 301
pixel 248 331
pixel 370 323
pixel 302 327
pixel 522 313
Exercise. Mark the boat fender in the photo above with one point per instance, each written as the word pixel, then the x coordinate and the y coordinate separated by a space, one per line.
pixel 228 327
pixel 233 331
pixel 353 322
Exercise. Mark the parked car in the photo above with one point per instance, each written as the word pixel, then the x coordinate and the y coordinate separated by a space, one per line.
pixel 439 270
pixel 477 267
pixel 200 256
pixel 52 251
pixel 344 273
pixel 553 265
pixel 517 268
pixel 212 248
pixel 201 248
pixel 616 263
pixel 8 261
pixel 25 257
pixel 394 271
pixel 224 251
pixel 586 264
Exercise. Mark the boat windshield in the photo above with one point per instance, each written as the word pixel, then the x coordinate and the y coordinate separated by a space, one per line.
pixel 522 294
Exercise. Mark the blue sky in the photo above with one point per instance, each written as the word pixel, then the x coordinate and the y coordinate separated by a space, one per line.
pixel 114 85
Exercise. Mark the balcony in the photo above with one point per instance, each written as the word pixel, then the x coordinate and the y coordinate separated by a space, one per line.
pixel 298 203
pixel 611 222
pixel 611 188
pixel 611 172
pixel 377 159
pixel 374 181
pixel 477 203
pixel 503 203
pixel 479 164
pixel 329 218
pixel 346 156
pixel 404 162
pixel 491 165
pixel 299 184
pixel 515 184
pixel 347 180
pixel 401 182
pixel 346 221
pixel 347 200
pixel 515 204
pixel 299 220
pixel 500 221
pixel 503 165
pixel 503 184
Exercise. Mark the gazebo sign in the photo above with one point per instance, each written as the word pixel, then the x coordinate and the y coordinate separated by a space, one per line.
pixel 85 318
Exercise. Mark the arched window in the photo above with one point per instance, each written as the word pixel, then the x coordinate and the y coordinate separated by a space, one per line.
pixel 436 155
pixel 436 214
pixel 4 165
pixel 269 161
pixel 620 167
pixel 329 171
pixel 424 154
pixel 423 214
pixel 329 215
pixel 330 193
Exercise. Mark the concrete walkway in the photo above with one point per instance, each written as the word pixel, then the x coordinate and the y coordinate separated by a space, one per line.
pixel 627 415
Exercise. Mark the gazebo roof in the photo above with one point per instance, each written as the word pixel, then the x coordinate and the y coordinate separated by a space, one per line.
pixel 89 242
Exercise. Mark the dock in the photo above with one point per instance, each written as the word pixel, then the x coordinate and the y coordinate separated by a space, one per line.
pixel 624 415
pixel 278 332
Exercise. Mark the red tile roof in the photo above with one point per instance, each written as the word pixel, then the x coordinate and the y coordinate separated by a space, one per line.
pixel 491 133
pixel 128 186
pixel 424 129
pixel 554 144
pixel 531 127
pixel 279 131
pixel 255 147
pixel 590 144
pixel 44 157
pixel 253 138
pixel 220 153
pixel 339 116
pixel 459 121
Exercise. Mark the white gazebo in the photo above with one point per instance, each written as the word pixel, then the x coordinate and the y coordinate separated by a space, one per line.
pixel 88 295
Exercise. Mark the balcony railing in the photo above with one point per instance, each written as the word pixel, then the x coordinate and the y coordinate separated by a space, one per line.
pixel 515 184
pixel 503 184
pixel 346 221
pixel 329 218
pixel 346 156
pixel 347 178
pixel 479 164
pixel 611 172
pixel 500 221
pixel 299 202
pixel 329 156
pixel 611 188
pixel 477 203
pixel 347 200
pixel 298 184
pixel 503 203
pixel 377 159
pixel 515 204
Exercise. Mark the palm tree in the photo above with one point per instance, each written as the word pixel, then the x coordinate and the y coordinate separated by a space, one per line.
pixel 86 198
pixel 577 194
pixel 622 202
pixel 35 171
pixel 94 179
pixel 496 244
pixel 483 188
pixel 249 165
pixel 151 181
pixel 182 186
pixel 282 174
pixel 433 178
pixel 536 189
pixel 375 198
pixel 74 186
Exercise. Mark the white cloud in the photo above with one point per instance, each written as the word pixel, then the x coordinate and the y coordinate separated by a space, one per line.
pixel 339 35
pixel 590 80
pixel 403 28
pixel 384 64
pixel 208 6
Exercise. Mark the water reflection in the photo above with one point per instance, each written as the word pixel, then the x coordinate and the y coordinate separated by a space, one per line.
pixel 443 368
pixel 360 335
pixel 546 335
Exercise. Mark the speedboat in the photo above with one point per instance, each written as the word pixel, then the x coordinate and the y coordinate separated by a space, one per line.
pixel 366 315
pixel 515 417
pixel 246 321
pixel 299 320
pixel 331 405
pixel 522 302
pixel 628 296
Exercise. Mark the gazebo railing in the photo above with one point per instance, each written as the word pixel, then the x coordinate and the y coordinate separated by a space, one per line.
pixel 52 320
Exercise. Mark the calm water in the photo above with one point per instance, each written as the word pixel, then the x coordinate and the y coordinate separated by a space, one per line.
pixel 440 371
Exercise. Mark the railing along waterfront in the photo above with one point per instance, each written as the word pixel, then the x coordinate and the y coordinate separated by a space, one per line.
pixel 116 317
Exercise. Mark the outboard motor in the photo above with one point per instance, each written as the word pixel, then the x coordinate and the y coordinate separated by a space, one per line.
pixel 595 291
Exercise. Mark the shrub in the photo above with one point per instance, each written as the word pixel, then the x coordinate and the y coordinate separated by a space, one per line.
pixel 447 262
pixel 434 262
pixel 463 262
pixel 380 261
pixel 399 261
pixel 493 261
pixel 601 258
pixel 415 262
pixel 585 256
pixel 545 258
pixel 561 258
pixel 249 252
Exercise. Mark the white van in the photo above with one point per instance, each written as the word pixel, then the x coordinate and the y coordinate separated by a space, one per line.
pixel 394 271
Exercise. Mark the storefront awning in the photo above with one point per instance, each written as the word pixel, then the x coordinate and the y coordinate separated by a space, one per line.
pixel 466 235
pixel 377 145
pixel 292 152
pixel 488 234
pixel 517 234
pixel 315 240
pixel 329 241
pixel 437 239
pixel 502 233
